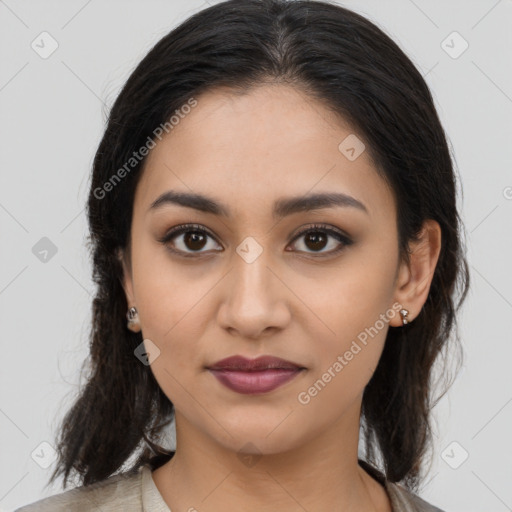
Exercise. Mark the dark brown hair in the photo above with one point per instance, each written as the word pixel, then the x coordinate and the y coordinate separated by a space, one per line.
pixel 350 65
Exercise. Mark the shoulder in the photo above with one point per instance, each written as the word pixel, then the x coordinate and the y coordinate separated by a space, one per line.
pixel 118 493
pixel 403 500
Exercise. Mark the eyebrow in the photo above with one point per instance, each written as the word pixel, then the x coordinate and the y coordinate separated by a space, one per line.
pixel 282 207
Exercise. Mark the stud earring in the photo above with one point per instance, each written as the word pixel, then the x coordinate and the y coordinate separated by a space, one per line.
pixel 133 319
pixel 403 314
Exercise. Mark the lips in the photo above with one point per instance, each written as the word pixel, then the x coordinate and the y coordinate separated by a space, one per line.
pixel 241 363
pixel 254 376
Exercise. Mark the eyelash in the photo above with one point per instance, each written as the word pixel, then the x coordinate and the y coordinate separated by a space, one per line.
pixel 323 228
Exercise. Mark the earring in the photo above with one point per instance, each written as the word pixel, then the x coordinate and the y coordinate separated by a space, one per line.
pixel 133 320
pixel 403 314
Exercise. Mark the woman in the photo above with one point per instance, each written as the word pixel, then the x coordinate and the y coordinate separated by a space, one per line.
pixel 276 246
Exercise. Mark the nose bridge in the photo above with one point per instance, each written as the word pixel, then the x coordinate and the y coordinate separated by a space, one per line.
pixel 255 298
pixel 251 274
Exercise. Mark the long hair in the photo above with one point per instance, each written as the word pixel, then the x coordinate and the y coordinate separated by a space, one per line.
pixel 351 66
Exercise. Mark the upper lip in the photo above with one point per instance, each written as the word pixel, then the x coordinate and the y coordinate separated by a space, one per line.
pixel 241 363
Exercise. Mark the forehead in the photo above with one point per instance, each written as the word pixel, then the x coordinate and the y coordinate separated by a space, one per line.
pixel 249 149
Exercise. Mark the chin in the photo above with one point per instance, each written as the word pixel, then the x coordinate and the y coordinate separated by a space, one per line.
pixel 260 439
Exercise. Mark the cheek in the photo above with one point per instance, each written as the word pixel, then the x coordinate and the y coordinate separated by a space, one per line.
pixel 180 359
pixel 174 312
pixel 171 298
pixel 350 300
pixel 344 364
pixel 353 307
pixel 170 317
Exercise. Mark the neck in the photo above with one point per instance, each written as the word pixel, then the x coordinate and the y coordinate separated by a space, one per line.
pixel 322 473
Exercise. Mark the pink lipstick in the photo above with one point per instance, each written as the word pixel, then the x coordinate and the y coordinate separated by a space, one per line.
pixel 253 376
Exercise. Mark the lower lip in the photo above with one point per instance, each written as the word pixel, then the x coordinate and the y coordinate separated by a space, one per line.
pixel 250 383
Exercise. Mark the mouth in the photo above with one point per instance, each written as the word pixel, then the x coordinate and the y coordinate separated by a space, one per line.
pixel 254 376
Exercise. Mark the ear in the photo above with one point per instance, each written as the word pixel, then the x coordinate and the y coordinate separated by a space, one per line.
pixel 126 280
pixel 414 278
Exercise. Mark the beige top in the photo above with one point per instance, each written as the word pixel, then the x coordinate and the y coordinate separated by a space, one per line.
pixel 137 492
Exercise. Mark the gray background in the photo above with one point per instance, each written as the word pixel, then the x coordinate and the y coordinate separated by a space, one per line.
pixel 52 117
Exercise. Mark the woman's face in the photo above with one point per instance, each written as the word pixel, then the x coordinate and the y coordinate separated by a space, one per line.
pixel 251 285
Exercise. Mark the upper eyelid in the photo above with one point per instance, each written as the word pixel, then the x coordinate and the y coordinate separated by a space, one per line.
pixel 320 227
pixel 183 228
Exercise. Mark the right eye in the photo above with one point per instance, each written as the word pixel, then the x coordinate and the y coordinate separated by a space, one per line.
pixel 192 242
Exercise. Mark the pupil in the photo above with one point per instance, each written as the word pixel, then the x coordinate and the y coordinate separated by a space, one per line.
pixel 317 238
pixel 193 237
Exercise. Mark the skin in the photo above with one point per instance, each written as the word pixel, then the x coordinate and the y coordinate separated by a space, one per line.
pixel 246 151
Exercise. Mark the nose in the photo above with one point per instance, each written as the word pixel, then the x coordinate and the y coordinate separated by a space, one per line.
pixel 255 300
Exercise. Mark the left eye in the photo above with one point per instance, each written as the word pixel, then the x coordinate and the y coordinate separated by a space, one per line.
pixel 317 238
pixel 195 238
